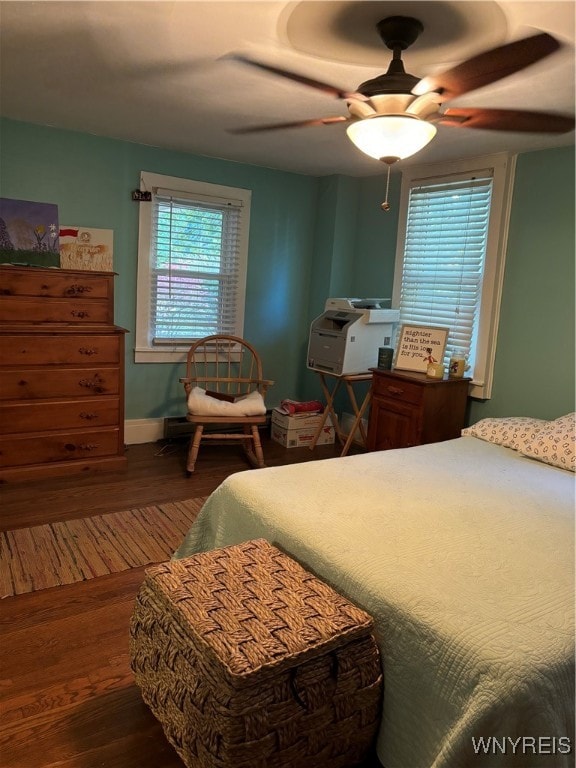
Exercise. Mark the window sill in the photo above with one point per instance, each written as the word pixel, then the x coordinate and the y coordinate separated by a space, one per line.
pixel 478 390
pixel 173 355
pixel 149 355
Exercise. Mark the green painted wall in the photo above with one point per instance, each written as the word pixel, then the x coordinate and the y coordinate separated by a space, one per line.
pixel 90 178
pixel 312 238
pixel 334 265
pixel 535 357
pixel 376 237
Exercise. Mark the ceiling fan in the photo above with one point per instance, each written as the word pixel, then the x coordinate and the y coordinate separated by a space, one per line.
pixel 394 115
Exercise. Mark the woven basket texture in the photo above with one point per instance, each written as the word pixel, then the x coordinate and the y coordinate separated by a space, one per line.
pixel 249 661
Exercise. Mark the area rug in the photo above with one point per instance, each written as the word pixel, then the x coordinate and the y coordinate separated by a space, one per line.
pixel 75 550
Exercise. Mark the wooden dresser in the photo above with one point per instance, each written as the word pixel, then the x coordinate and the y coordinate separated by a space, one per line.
pixel 61 373
pixel 411 409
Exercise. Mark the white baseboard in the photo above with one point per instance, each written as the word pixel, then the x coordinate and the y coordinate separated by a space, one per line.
pixel 346 421
pixel 143 431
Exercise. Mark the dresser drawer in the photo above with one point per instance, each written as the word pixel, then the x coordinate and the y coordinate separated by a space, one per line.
pixel 36 383
pixel 55 284
pixel 397 389
pixel 38 448
pixel 72 311
pixel 44 349
pixel 18 417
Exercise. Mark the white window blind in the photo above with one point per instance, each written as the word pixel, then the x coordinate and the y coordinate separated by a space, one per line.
pixel 444 256
pixel 195 264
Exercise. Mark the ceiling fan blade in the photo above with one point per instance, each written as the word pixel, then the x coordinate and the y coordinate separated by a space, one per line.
pixel 488 67
pixel 318 84
pixel 507 120
pixel 295 124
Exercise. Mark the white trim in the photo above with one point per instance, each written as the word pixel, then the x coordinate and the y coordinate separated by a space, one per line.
pixel 143 431
pixel 502 192
pixel 144 350
pixel 160 355
pixel 504 166
pixel 346 423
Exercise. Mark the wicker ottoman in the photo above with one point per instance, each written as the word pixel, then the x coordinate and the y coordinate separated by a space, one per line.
pixel 249 661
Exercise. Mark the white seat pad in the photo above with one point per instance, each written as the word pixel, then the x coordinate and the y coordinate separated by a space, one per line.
pixel 201 404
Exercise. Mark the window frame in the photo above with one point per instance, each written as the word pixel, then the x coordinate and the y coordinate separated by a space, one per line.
pixel 145 351
pixel 503 167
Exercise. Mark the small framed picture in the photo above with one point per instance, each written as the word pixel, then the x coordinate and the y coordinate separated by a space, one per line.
pixel 420 345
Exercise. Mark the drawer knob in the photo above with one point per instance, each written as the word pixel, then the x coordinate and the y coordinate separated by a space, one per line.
pixel 395 390
pixel 94 384
pixel 88 351
pixel 82 446
pixel 88 416
pixel 81 313
pixel 78 290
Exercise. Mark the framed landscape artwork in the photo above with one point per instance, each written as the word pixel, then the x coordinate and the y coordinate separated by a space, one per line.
pixel 29 233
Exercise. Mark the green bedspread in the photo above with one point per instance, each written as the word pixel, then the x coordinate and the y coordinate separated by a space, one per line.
pixel 463 552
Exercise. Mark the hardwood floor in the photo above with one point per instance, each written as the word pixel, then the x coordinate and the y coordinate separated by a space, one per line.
pixel 67 695
pixel 156 473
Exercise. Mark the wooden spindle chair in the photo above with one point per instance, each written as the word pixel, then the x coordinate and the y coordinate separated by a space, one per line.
pixel 225 372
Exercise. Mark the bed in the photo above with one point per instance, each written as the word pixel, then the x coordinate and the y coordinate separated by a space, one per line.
pixel 463 552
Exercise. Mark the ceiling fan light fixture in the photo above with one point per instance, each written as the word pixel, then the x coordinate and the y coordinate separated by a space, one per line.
pixel 386 136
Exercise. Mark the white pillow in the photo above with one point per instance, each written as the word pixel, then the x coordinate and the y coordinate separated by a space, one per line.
pixel 509 431
pixel 201 404
pixel 554 444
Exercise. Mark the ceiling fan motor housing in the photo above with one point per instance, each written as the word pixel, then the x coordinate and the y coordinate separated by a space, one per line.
pixel 391 82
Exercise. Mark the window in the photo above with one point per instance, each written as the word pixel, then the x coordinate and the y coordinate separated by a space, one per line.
pixel 450 258
pixel 192 258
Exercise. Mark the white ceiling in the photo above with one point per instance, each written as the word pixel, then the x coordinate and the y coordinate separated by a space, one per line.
pixel 152 72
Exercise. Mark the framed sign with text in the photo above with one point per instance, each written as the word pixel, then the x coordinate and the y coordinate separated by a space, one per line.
pixel 420 345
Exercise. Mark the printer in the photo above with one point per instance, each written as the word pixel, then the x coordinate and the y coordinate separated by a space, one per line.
pixel 346 337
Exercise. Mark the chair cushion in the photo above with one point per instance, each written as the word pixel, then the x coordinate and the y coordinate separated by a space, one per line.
pixel 201 404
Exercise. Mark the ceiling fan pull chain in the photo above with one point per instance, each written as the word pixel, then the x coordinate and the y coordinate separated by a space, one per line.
pixel 386 205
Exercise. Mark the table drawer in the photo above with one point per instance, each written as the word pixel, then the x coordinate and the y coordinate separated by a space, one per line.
pixel 18 417
pixel 397 389
pixel 38 310
pixel 38 448
pixel 44 349
pixel 55 284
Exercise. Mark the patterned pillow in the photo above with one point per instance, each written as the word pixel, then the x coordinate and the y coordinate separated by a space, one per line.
pixel 511 432
pixel 555 444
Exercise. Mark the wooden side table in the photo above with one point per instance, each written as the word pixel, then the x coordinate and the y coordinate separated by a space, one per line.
pixel 411 409
pixel 349 380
